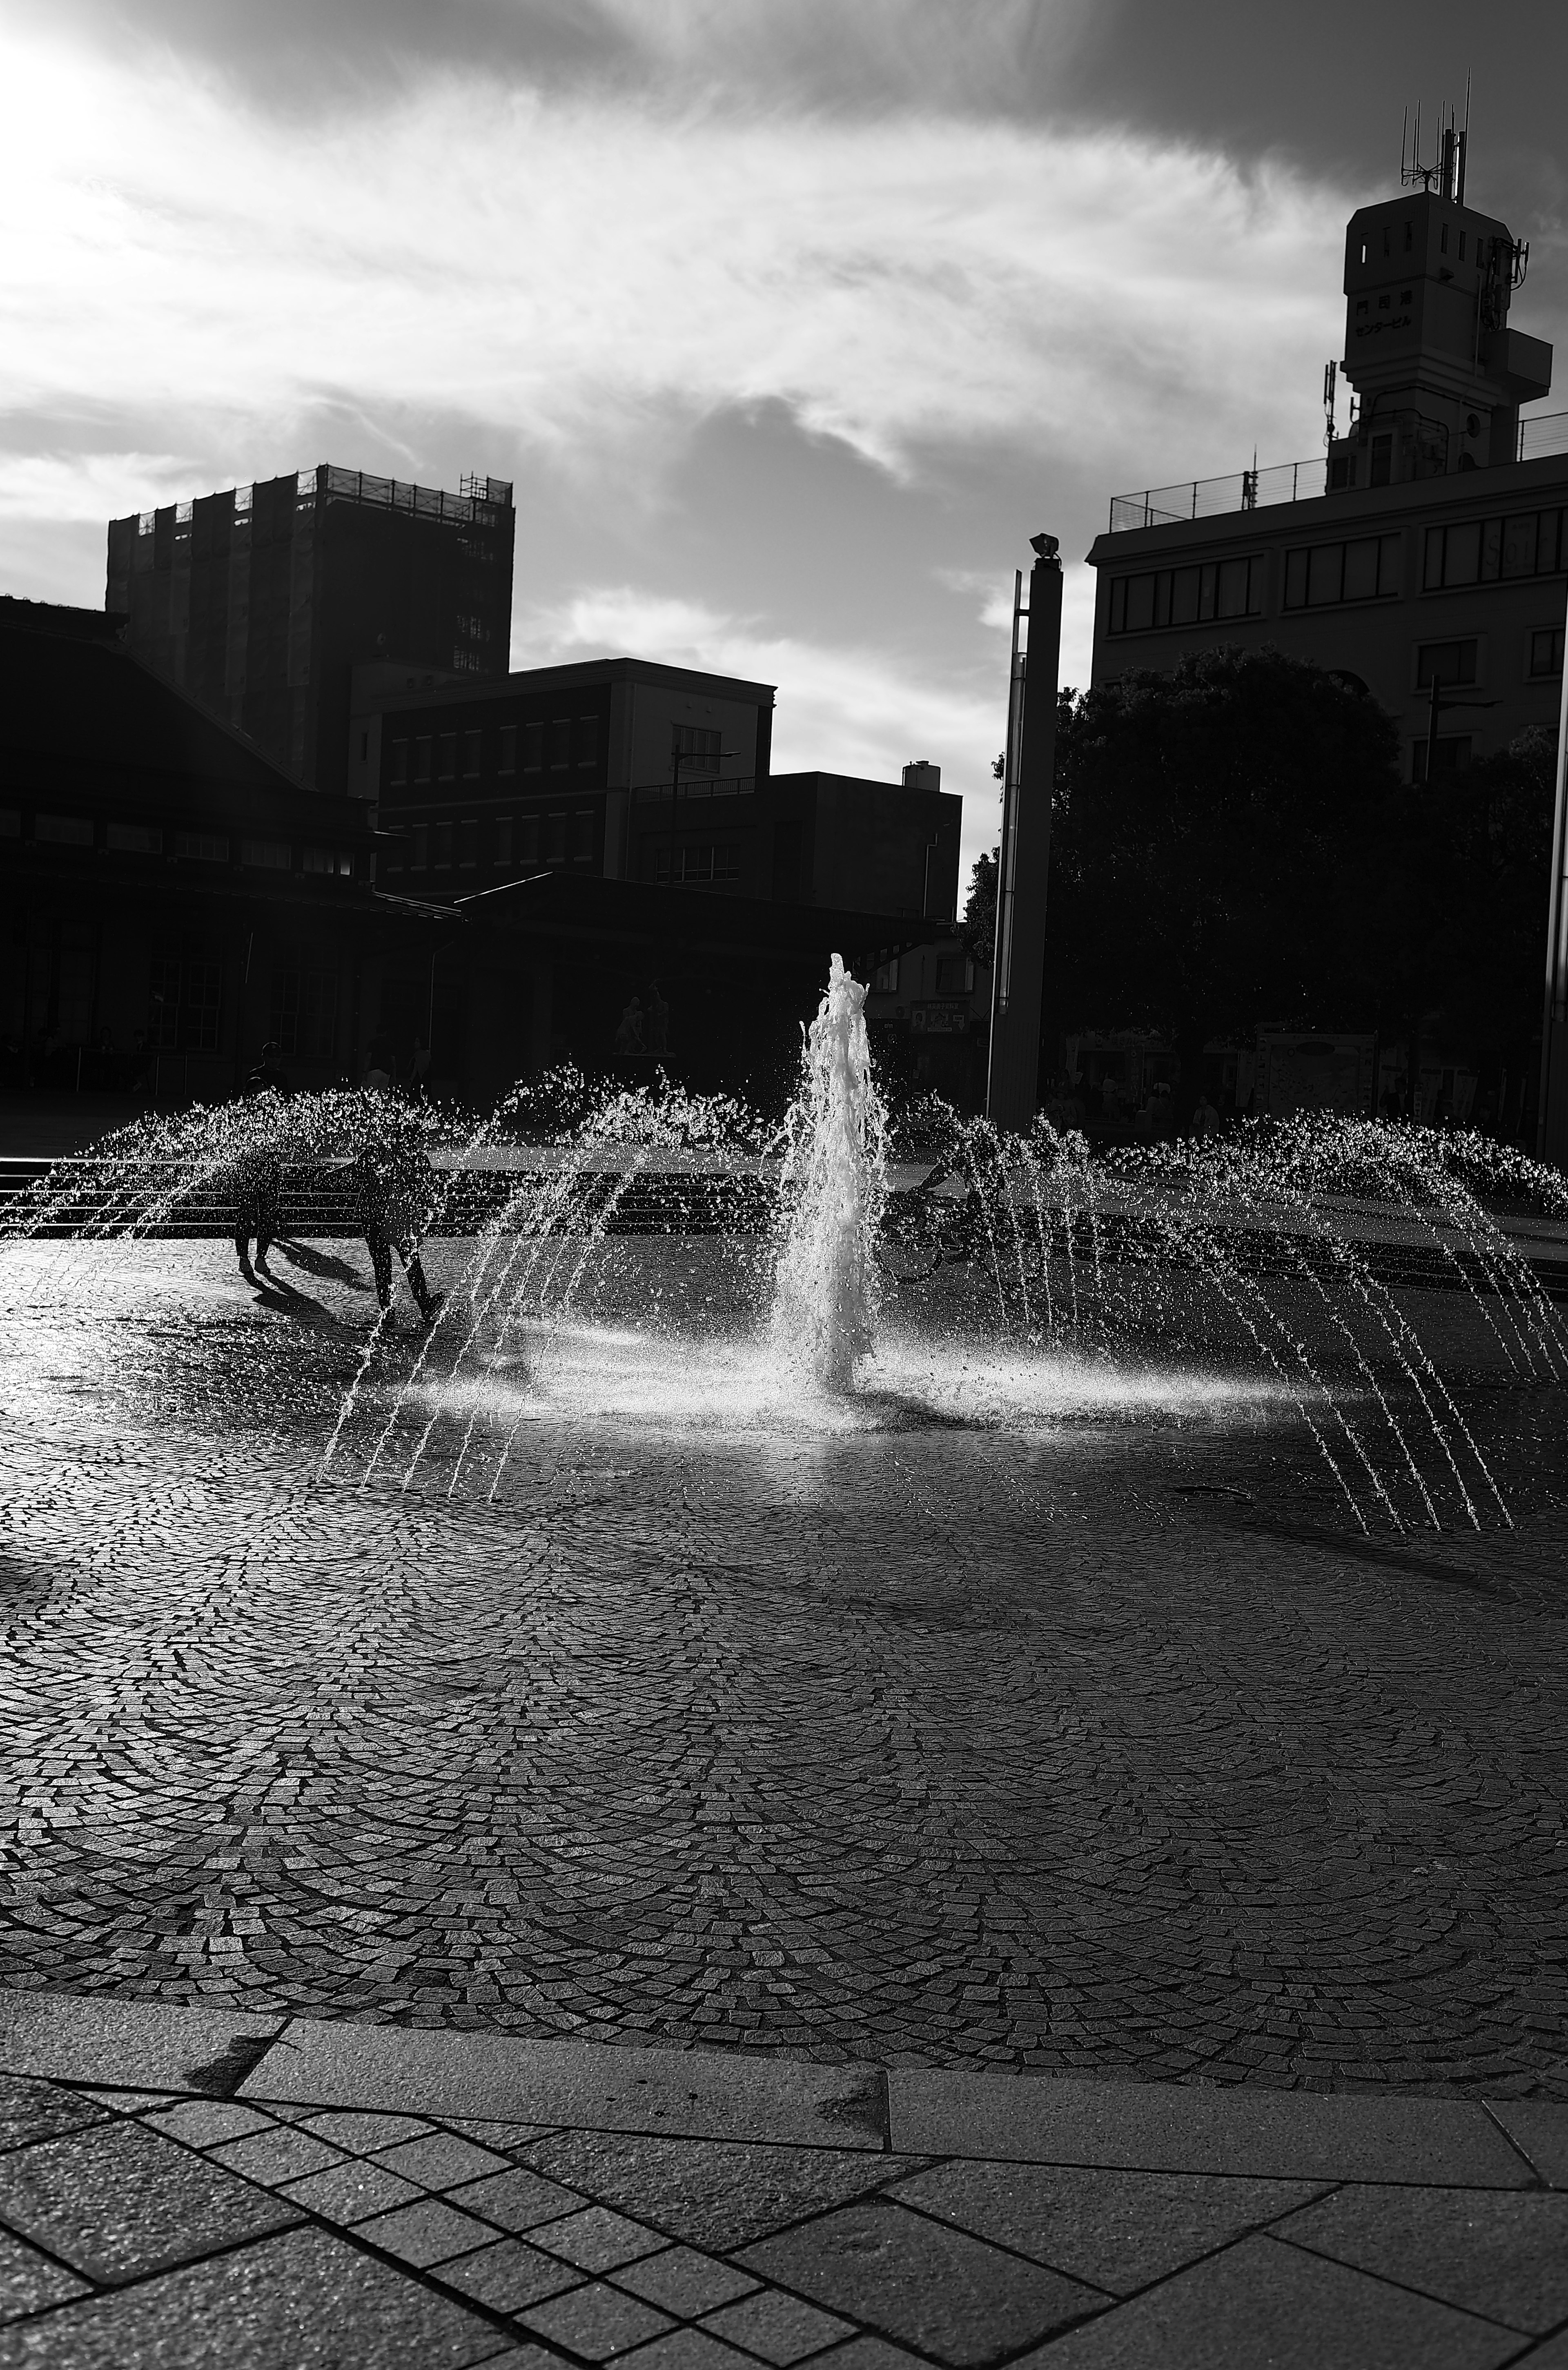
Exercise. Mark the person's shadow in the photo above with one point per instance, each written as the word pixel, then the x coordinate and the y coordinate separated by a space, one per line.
pixel 322 1264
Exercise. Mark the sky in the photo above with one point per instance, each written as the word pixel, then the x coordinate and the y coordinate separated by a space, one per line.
pixel 791 320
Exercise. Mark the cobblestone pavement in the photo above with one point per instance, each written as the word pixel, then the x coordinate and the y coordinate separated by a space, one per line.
pixel 932 1743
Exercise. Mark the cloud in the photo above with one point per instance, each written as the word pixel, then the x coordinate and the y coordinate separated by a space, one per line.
pixel 568 265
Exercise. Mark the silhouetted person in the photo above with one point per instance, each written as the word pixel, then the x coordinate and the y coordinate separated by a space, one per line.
pixel 268 1077
pixel 656 1027
pixel 628 1036
pixel 391 1186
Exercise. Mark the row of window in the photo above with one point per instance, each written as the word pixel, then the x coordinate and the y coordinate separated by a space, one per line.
pixel 1487 551
pixel 515 842
pixel 1458 661
pixel 185 1007
pixel 715 862
pixel 187 846
pixel 556 746
pixel 1187 597
pixel 696 786
pixel 1364 567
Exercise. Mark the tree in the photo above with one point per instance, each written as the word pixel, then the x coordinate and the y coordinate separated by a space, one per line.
pixel 980 913
pixel 1209 837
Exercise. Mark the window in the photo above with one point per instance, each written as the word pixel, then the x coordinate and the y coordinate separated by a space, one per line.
pixel 555 839
pixel 884 979
pixel 1382 461
pixel 1546 651
pixel 1341 472
pixel 468 842
pixel 1443 238
pixel 1324 573
pixel 587 739
pixel 508 749
pixel 501 841
pixel 1462 247
pixel 423 757
pixel 472 744
pixel 448 764
pixel 527 857
pixel 1444 662
pixel 183 1004
pixel 394 855
pixel 266 854
pixel 1480 551
pixel 201 846
pixel 441 847
pixel 560 742
pixel 304 1008
pixel 418 848
pixel 533 748
pixel 329 859
pixel 135 839
pixel 1453 755
pixel 1186 596
pixel 699 750
pixel 66 831
pixel 955 975
pixel 583 835
pixel 399 761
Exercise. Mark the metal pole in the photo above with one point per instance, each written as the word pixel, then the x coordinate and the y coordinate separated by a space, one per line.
pixel 1024 856
pixel 1551 1112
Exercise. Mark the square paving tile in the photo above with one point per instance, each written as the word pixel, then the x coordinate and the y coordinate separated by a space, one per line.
pixel 37 2110
pixel 425 2233
pixel 361 2133
pixel 782 2329
pixel 351 2190
pixel 937 2287
pixel 683 2280
pixel 1263 2302
pixel 516 2200
pixel 596 2238
pixel 146 2045
pixel 509 2274
pixel 714 2194
pixel 441 2159
pixel 304 2301
pixel 597 2321
pixel 687 2349
pixel 1494 2252
pixel 277 2154
pixel 28 2281
pixel 204 2122
pixel 118 2202
pixel 1117 2230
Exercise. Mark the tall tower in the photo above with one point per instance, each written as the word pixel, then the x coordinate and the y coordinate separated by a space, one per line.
pixel 1427 347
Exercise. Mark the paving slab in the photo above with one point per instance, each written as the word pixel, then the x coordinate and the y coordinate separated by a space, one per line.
pixel 1504 2256
pixel 711 2193
pixel 1190 2127
pixel 118 2202
pixel 141 2043
pixel 697 2093
pixel 1265 2304
pixel 939 2289
pixel 37 2110
pixel 29 2281
pixel 1117 2230
pixel 1539 2126
pixel 304 2301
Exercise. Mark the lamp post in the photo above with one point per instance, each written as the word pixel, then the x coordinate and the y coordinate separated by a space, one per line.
pixel 1551 1112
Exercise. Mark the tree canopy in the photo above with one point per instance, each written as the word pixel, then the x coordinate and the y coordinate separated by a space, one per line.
pixel 1213 837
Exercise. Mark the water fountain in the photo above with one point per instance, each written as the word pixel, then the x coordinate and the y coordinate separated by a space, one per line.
pixel 673 1261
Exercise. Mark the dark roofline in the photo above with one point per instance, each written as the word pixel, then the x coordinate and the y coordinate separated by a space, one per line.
pixel 564 901
pixel 580 674
pixel 67 624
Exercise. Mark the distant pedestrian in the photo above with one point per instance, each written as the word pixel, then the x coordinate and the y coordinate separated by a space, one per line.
pixel 1205 1119
pixel 656 1028
pixel 392 1187
pixel 268 1077
pixel 628 1036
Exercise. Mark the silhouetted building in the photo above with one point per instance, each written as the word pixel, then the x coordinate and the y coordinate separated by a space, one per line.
pixel 1429 544
pixel 259 602
pixel 168 898
pixel 619 769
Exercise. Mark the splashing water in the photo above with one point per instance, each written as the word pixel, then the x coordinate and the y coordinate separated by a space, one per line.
pixel 671 1258
pixel 832 1194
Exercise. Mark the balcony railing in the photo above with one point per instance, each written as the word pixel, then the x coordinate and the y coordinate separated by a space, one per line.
pixel 425 501
pixel 1287 481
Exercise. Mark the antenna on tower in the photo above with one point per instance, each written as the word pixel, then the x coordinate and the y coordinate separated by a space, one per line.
pixel 1464 146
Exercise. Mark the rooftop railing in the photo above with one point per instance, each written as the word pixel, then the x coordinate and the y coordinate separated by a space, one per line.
pixel 481 499
pixel 1287 481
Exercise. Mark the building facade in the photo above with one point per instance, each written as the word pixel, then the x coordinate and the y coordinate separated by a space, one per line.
pixel 259 602
pixel 170 899
pixel 1428 547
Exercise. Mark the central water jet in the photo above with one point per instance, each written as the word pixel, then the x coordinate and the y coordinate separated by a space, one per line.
pixel 832 1193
